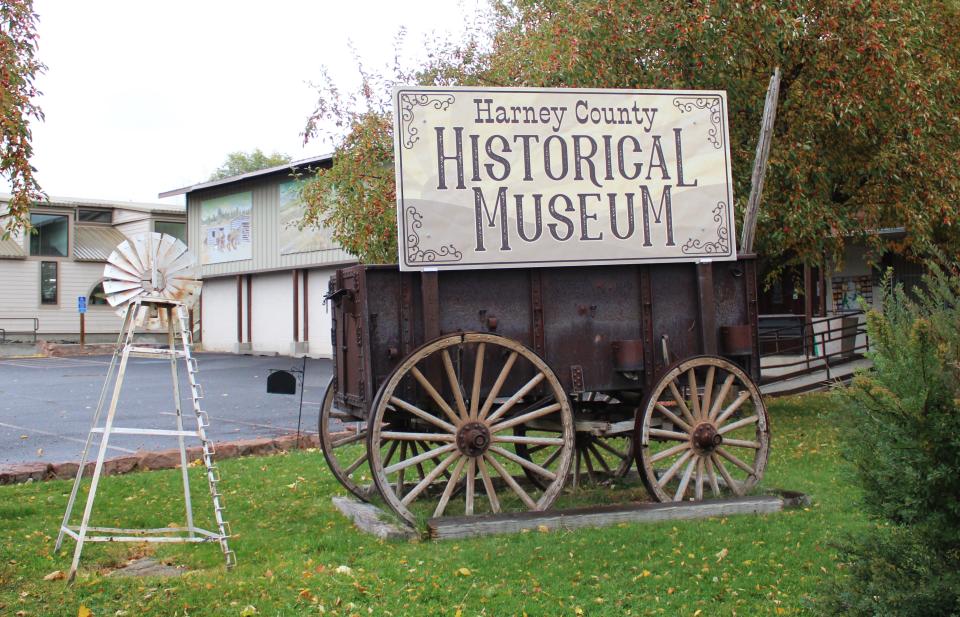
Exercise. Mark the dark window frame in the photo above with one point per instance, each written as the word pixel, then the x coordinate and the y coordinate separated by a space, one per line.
pixel 55 303
pixel 169 222
pixel 32 235
pixel 98 211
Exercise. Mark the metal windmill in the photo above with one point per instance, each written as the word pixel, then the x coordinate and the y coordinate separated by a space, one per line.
pixel 152 280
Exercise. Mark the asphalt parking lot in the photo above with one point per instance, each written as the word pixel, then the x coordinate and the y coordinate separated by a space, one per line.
pixel 46 404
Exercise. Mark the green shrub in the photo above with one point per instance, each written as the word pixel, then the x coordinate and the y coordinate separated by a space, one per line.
pixel 901 428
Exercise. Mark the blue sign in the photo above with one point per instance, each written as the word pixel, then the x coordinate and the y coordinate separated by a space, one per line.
pixel 81 304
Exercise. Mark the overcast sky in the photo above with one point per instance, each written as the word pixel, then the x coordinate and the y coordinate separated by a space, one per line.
pixel 144 97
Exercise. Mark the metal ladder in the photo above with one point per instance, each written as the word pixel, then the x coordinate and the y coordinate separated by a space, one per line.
pixel 126 349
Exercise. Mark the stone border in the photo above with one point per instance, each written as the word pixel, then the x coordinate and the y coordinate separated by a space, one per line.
pixel 20 473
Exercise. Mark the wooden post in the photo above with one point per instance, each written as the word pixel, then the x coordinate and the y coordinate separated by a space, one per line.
pixel 250 309
pixel 306 307
pixel 296 307
pixel 83 330
pixel 760 163
pixel 239 308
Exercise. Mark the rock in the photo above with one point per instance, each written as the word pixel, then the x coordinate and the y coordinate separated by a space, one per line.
pixel 25 472
pixel 122 464
pixel 165 459
pixel 145 566
pixel 64 471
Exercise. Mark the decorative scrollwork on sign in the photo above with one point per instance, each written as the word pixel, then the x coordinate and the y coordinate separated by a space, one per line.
pixel 409 102
pixel 415 254
pixel 711 104
pixel 721 245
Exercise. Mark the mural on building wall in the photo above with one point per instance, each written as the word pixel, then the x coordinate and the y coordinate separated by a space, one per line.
pixel 292 238
pixel 225 228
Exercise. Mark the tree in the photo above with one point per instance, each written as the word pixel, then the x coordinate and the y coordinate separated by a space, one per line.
pixel 242 162
pixel 867 134
pixel 20 67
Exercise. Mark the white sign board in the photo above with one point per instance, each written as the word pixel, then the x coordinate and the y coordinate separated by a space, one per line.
pixel 510 178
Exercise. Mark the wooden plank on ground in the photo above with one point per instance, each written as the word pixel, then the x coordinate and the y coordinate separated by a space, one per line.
pixel 600 516
pixel 373 520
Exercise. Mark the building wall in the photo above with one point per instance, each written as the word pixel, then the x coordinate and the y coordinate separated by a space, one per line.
pixel 20 297
pixel 264 230
pixel 219 320
pixel 272 313
pixel 320 316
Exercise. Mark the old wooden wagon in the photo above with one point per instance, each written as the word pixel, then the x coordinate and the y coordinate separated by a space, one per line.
pixel 489 377
pixel 459 383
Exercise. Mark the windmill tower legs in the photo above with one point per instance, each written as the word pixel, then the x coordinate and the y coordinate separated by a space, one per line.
pixel 176 317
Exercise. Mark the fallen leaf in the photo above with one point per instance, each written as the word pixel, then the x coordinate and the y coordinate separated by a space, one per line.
pixel 464 571
pixel 56 575
pixel 543 528
pixel 39 451
pixel 723 553
pixel 83 611
pixel 344 570
pixel 248 611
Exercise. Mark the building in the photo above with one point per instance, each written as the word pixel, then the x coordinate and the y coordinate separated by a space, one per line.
pixel 264 279
pixel 42 274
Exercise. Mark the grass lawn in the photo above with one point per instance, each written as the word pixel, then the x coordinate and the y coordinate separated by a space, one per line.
pixel 290 544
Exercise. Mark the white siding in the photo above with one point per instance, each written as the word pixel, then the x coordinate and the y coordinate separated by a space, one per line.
pixel 320 317
pixel 219 321
pixel 20 297
pixel 272 312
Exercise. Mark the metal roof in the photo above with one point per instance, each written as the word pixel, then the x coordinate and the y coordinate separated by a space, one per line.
pixel 323 158
pixel 70 202
pixel 95 242
pixel 12 248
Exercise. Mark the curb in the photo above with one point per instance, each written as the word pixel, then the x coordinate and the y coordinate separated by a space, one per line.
pixel 22 473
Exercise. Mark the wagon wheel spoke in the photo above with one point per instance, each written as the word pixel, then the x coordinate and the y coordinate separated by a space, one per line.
pixel 505 475
pixel 685 480
pixel 488 486
pixel 694 395
pixel 471 486
pixel 698 486
pixel 484 428
pixel 599 456
pixel 732 484
pixel 414 451
pixel 454 385
pixel 477 378
pixel 721 397
pixel 685 447
pixel 344 455
pixel 451 484
pixel 712 476
pixel 497 385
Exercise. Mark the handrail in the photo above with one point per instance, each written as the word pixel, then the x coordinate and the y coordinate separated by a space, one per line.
pixel 36 327
pixel 808 338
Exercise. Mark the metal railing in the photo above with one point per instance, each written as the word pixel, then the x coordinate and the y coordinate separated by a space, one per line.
pixel 811 341
pixel 3 331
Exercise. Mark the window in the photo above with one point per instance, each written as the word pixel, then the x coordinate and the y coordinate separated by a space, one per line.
pixel 49 238
pixel 94 216
pixel 177 230
pixel 48 282
pixel 97 297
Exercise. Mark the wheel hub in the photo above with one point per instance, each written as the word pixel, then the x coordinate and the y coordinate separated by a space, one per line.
pixel 473 438
pixel 706 437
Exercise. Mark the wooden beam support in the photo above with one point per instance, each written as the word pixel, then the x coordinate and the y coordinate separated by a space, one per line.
pixel 455 527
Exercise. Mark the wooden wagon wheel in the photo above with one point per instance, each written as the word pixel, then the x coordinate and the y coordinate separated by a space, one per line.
pixel 596 458
pixel 346 450
pixel 474 389
pixel 704 422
